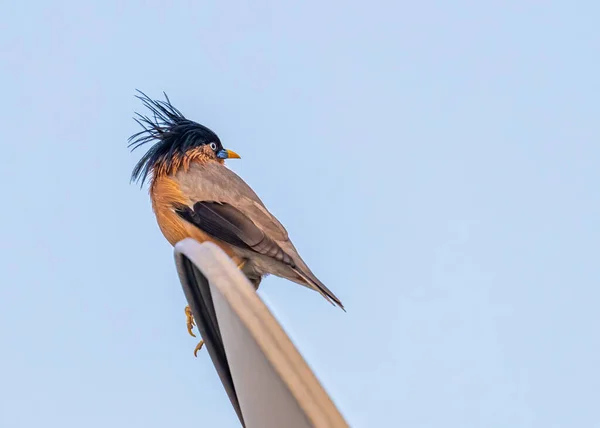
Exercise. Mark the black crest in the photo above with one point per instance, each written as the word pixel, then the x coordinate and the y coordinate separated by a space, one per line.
pixel 172 134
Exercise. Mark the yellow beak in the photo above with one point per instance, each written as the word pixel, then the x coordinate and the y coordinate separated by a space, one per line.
pixel 227 154
pixel 232 155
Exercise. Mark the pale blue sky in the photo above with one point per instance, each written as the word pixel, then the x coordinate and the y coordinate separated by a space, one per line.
pixel 436 165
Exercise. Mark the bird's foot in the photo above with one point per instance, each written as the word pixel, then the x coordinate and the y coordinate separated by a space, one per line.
pixel 242 264
pixel 189 318
pixel 198 347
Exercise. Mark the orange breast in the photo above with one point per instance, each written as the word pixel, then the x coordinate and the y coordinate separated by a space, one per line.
pixel 165 193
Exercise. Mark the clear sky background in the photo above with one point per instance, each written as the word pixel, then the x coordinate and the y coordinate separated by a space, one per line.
pixel 436 164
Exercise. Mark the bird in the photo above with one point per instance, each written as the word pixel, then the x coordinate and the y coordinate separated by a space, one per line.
pixel 194 195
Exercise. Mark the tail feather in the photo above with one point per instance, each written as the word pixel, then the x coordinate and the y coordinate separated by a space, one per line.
pixel 314 283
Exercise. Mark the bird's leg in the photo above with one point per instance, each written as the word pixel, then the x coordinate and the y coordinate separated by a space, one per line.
pixel 189 317
pixel 242 264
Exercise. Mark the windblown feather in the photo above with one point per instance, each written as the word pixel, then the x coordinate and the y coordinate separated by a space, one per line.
pixel 173 136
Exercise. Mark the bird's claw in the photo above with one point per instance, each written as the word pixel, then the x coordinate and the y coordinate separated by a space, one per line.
pixel 198 347
pixel 189 318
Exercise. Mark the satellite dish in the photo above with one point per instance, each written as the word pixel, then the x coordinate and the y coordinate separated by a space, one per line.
pixel 268 382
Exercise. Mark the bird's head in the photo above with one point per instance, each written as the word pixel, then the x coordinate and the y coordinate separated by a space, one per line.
pixel 176 140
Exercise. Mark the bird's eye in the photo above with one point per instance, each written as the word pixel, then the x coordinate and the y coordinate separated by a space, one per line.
pixel 213 146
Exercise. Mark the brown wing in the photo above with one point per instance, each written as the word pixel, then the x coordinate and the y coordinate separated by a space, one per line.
pixel 230 225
